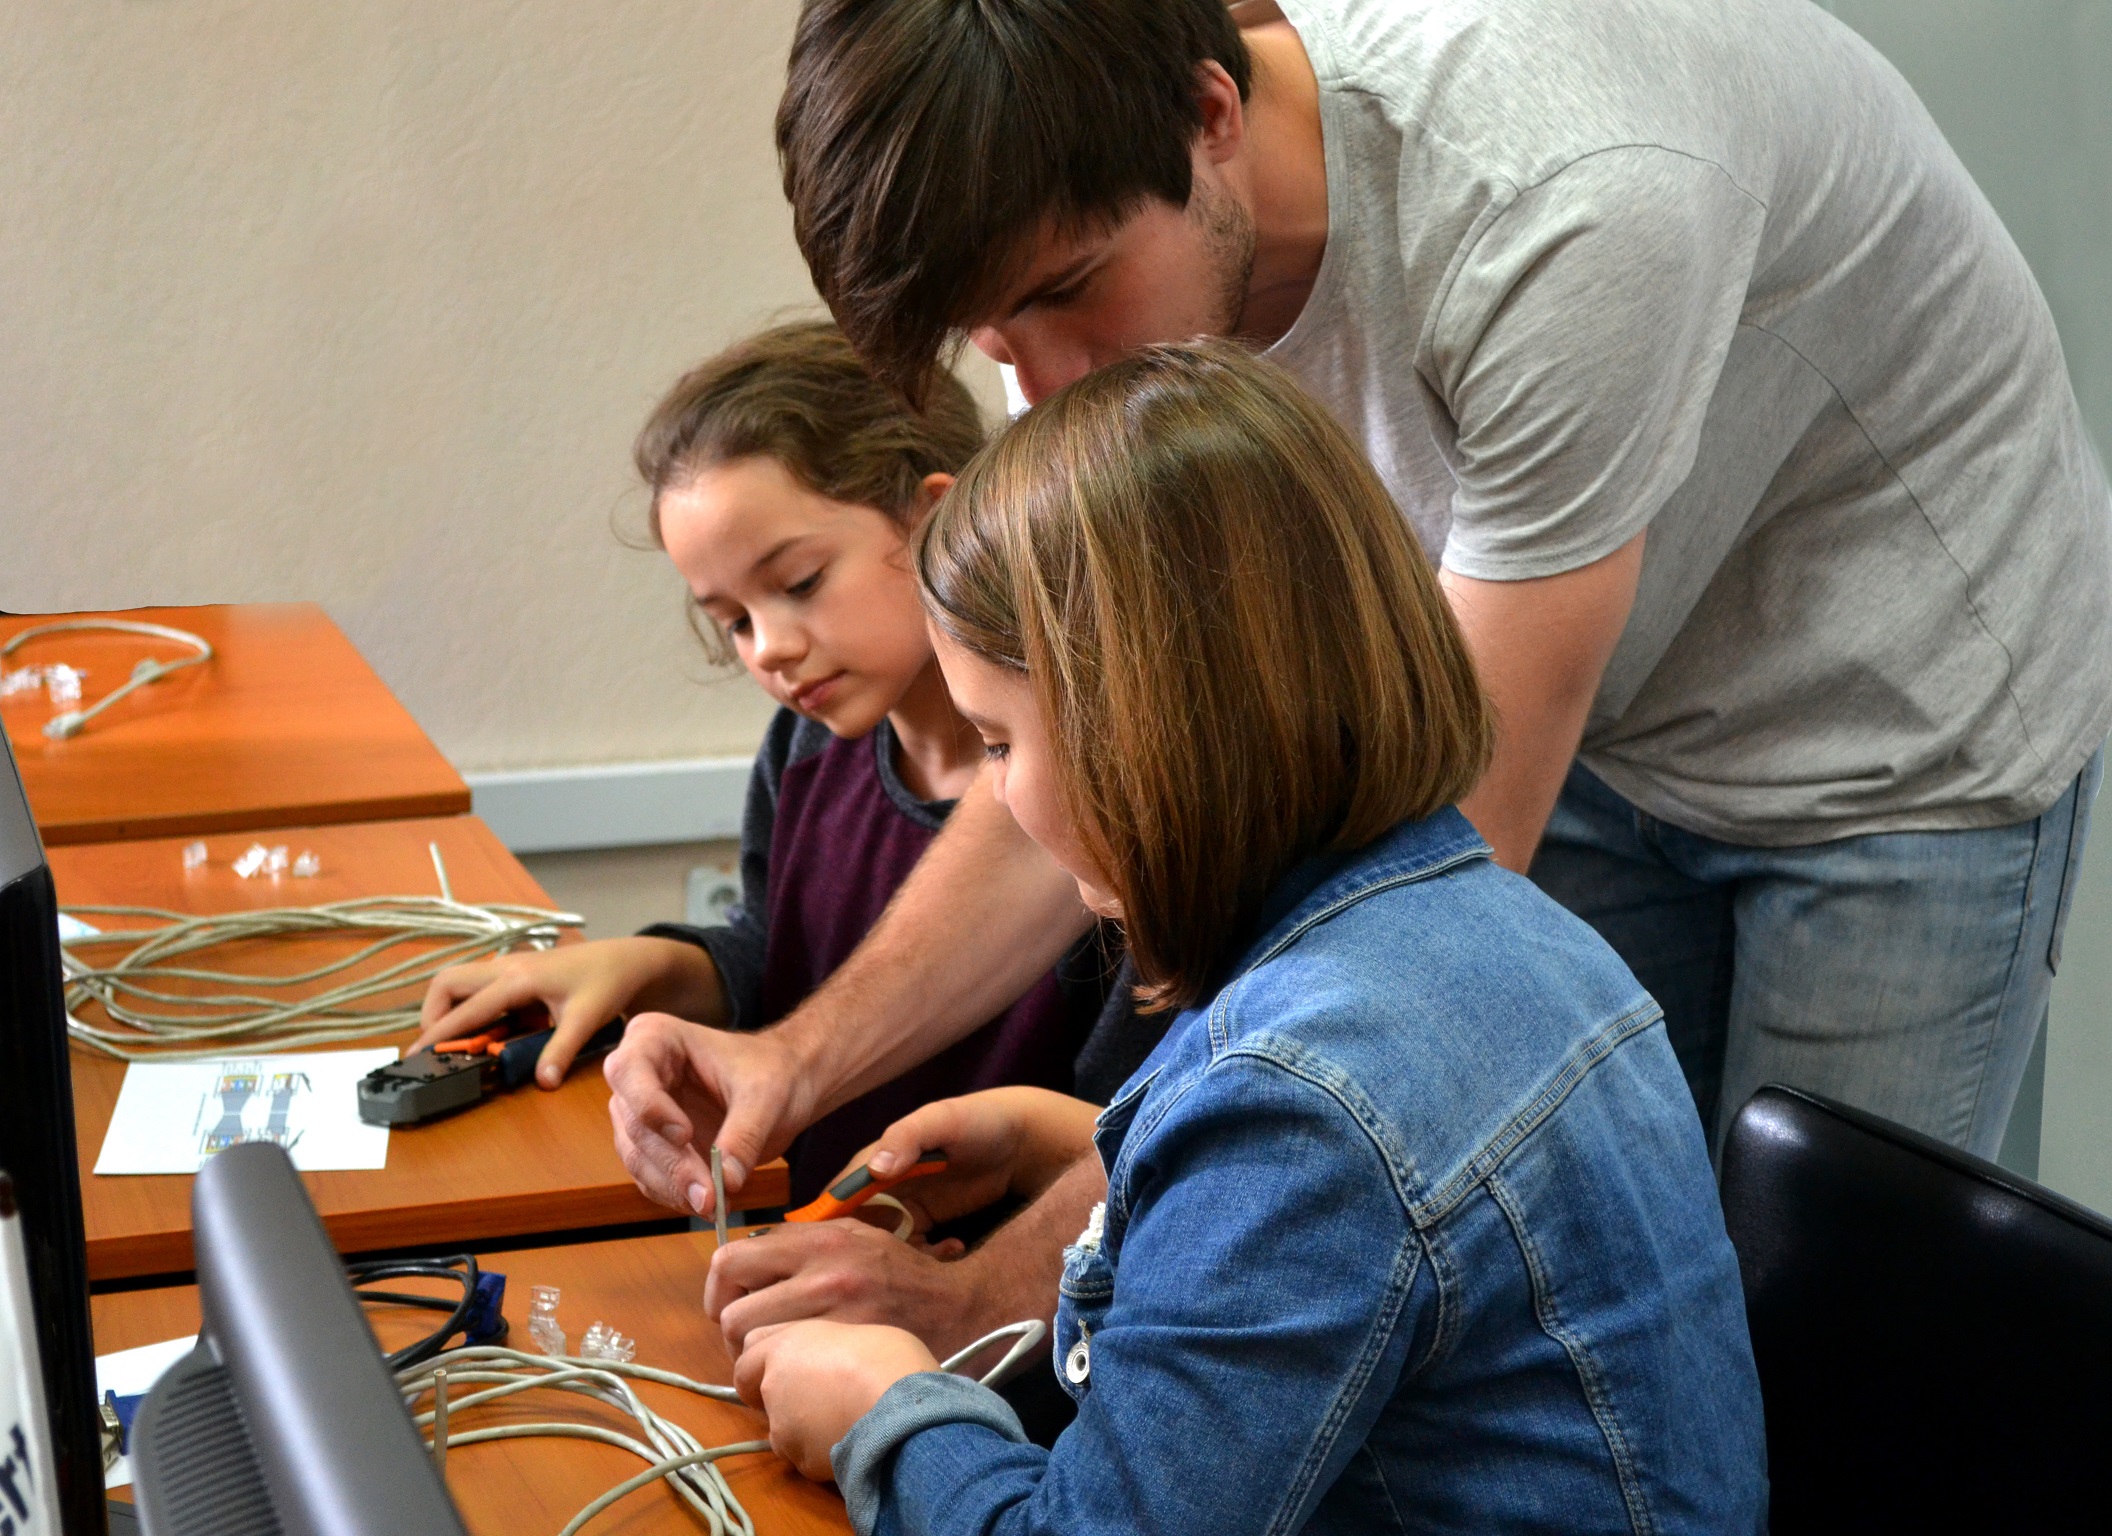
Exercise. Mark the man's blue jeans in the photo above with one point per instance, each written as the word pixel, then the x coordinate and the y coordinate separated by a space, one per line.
pixel 1905 972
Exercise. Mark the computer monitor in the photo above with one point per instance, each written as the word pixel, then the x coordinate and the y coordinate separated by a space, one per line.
pixel 284 1418
pixel 37 1152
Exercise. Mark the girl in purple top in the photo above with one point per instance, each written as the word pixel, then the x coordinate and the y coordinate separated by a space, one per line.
pixel 786 483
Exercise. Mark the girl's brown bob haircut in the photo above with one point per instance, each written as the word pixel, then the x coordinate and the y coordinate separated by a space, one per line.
pixel 798 394
pixel 1241 653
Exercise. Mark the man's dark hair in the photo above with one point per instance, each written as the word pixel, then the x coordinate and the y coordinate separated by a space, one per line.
pixel 924 142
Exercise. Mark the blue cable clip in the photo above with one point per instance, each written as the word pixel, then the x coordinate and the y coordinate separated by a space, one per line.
pixel 487 1319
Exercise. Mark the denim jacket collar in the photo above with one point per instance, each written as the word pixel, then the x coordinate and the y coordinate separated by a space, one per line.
pixel 1324 884
pixel 1316 889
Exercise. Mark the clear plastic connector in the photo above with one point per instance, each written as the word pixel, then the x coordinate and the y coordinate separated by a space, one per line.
pixel 63 684
pixel 254 858
pixel 306 865
pixel 20 680
pixel 277 861
pixel 542 1320
pixel 601 1342
pixel 193 856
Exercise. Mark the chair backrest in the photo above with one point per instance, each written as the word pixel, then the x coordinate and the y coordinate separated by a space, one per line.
pixel 1934 1335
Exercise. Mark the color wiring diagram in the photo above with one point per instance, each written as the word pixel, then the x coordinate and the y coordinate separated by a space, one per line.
pixel 249 1103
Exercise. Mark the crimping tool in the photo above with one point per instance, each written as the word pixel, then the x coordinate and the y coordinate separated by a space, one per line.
pixel 860 1185
pixel 455 1074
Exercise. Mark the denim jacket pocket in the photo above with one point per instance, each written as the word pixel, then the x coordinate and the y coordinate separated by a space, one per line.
pixel 1084 1295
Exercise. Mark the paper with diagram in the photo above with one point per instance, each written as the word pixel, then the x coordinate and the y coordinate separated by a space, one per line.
pixel 173 1115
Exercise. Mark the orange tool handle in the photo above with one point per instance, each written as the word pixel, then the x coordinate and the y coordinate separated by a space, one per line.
pixel 860 1185
pixel 491 1039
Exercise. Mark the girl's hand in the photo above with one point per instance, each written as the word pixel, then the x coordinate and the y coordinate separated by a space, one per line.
pixel 1002 1141
pixel 583 986
pixel 816 1379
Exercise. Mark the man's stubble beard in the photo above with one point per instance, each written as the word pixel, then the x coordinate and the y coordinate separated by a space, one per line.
pixel 1228 244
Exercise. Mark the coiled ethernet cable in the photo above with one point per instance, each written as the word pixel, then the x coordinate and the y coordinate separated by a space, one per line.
pixel 671 1453
pixel 163 1006
pixel 150 669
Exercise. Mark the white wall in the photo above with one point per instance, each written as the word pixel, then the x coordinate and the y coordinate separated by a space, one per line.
pixel 2023 89
pixel 363 302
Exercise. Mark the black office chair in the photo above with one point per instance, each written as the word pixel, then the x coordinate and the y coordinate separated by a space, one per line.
pixel 1934 1334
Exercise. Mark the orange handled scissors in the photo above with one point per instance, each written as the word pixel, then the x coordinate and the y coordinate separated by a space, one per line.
pixel 860 1185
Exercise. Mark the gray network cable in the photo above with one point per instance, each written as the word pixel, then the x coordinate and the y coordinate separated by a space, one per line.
pixel 670 1452
pixel 151 669
pixel 158 1009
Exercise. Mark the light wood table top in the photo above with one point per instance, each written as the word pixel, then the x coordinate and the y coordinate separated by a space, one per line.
pixel 525 1162
pixel 649 1288
pixel 285 726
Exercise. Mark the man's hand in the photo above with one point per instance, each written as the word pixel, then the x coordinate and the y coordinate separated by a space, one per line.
pixel 671 1082
pixel 849 1272
pixel 981 917
pixel 1541 647
pixel 584 986
pixel 817 1379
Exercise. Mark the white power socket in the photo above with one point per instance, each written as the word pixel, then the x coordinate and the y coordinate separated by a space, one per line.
pixel 710 893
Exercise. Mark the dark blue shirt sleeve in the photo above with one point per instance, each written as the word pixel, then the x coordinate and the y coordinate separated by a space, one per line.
pixel 737 948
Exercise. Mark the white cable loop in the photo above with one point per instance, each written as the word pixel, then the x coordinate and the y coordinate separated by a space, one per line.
pixel 153 1020
pixel 149 670
pixel 671 1453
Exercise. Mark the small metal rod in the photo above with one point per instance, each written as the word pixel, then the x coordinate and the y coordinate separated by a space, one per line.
pixel 447 893
pixel 718 1195
pixel 440 1422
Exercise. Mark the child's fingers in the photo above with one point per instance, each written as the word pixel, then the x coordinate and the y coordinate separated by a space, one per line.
pixel 576 1022
pixel 500 995
pixel 933 1128
pixel 972 1132
pixel 450 987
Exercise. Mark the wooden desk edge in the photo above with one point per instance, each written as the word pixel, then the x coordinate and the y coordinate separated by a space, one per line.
pixel 169 1252
pixel 135 829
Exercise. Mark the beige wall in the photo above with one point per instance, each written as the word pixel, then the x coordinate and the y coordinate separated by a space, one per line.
pixel 363 302
pixel 2023 89
pixel 620 890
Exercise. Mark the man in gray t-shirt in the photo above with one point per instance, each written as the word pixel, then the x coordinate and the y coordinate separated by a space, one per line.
pixel 1732 416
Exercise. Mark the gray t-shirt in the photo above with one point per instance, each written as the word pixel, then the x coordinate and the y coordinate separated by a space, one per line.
pixel 1707 267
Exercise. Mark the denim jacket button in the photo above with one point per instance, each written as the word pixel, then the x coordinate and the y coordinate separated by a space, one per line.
pixel 1078 1364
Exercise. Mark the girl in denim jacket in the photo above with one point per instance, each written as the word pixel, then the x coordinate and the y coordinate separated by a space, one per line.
pixel 1409 1221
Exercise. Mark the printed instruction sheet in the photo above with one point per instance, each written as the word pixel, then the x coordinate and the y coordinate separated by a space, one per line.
pixel 173 1115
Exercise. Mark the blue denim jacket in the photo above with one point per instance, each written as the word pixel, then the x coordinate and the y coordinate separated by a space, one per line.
pixel 1410 1227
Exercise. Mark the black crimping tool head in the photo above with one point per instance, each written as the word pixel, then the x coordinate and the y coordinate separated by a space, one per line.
pixel 459 1073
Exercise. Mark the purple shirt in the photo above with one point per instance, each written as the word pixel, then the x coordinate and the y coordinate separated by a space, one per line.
pixel 830 833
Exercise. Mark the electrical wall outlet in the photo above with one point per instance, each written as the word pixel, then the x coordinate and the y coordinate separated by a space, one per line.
pixel 711 893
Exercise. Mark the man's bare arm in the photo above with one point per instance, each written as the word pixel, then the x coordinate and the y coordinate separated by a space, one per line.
pixel 1541 647
pixel 978 921
pixel 984 914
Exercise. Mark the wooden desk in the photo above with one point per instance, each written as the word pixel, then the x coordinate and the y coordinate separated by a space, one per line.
pixel 648 1288
pixel 527 1162
pixel 285 726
